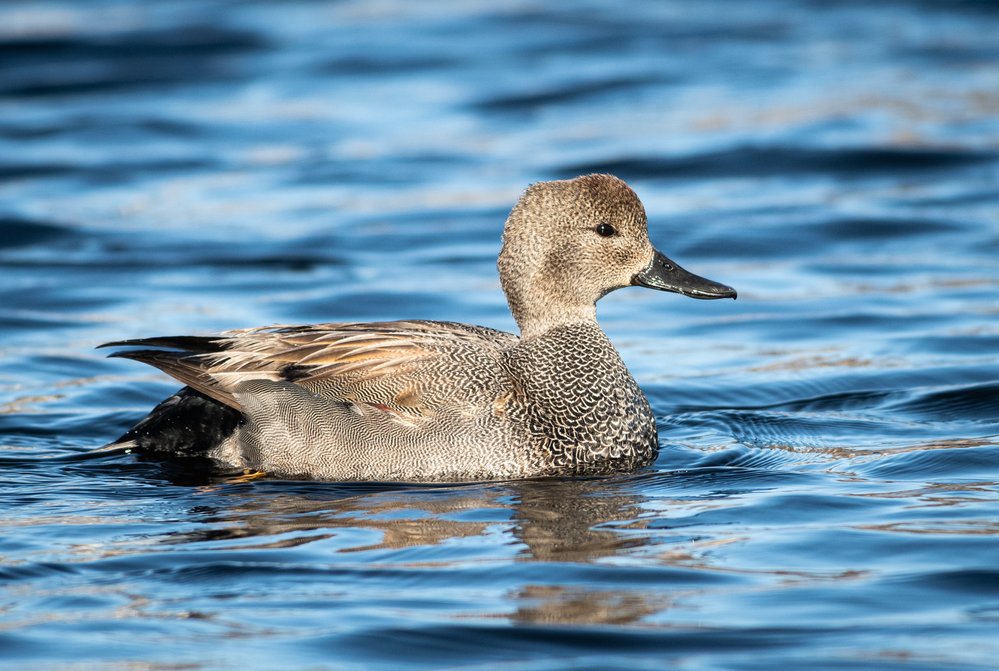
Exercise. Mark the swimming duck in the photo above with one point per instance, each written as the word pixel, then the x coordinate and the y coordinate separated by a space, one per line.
pixel 432 401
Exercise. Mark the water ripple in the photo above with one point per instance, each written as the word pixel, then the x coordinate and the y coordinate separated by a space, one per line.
pixel 760 162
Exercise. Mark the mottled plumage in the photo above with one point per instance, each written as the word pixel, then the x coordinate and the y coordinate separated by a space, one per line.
pixel 439 401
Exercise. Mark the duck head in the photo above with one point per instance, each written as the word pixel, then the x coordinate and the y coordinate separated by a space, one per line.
pixel 568 243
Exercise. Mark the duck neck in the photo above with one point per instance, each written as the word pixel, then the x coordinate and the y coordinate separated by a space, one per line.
pixel 538 316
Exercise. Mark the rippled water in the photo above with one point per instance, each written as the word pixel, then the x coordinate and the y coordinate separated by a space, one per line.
pixel 826 496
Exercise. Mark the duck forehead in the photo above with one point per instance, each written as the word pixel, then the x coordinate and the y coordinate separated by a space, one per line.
pixel 611 197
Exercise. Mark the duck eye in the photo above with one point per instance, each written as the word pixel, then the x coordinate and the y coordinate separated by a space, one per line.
pixel 605 230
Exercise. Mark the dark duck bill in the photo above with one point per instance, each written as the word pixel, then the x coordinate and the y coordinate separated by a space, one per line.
pixel 665 275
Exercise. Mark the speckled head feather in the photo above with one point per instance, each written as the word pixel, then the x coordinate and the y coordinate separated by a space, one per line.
pixel 439 401
pixel 558 259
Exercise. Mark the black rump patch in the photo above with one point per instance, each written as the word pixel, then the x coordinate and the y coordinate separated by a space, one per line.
pixel 188 424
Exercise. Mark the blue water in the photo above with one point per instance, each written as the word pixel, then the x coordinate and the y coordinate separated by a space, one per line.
pixel 826 496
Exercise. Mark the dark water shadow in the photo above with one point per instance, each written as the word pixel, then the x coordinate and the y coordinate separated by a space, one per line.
pixel 780 161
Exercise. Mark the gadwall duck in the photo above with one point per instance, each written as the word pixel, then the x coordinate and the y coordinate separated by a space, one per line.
pixel 438 401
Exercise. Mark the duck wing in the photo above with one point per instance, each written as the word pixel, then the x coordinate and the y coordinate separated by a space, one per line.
pixel 394 366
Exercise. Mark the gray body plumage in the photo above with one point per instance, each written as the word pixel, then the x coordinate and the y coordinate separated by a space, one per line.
pixel 441 401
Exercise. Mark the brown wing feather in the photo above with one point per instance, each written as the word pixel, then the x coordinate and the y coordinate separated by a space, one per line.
pixel 175 365
pixel 325 358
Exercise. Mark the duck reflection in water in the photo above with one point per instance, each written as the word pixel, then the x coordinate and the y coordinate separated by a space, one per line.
pixel 576 522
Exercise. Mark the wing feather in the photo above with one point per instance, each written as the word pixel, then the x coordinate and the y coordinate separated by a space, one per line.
pixel 365 362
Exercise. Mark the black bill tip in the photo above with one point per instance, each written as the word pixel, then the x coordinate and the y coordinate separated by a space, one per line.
pixel 665 275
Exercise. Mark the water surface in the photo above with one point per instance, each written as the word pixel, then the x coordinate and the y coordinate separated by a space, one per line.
pixel 826 495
